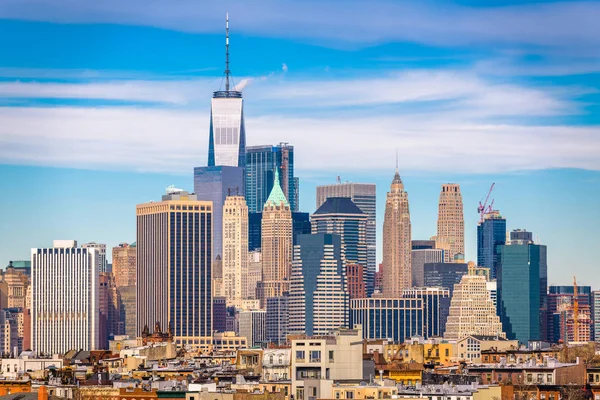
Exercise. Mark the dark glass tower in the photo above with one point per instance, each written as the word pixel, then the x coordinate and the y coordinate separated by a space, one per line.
pixel 491 233
pixel 300 226
pixel 522 287
pixel 444 275
pixel 261 162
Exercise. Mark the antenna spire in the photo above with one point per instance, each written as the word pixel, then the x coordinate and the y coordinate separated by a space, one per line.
pixel 227 71
pixel 396 160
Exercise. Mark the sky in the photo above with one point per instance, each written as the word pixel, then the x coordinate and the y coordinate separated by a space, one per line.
pixel 105 104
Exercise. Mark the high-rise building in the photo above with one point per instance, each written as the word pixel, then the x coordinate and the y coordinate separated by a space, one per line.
pixel 253 275
pixel 436 306
pixel 123 264
pixel 174 267
pixel 227 140
pixel 560 301
pixel 215 184
pixel 356 281
pixel 318 294
pixel 65 312
pixel 278 319
pixel 472 311
pixel 422 244
pixel 420 257
pixel 522 287
pixel 300 226
pixel 235 249
pixel 388 318
pixel 340 216
pixel 101 247
pixel 451 224
pixel 109 303
pixel 261 162
pixel 444 275
pixel 13 287
pixel 396 240
pixel 276 245
pixel 364 195
pixel 491 233
pixel 596 314
pixel 252 326
pixel 10 341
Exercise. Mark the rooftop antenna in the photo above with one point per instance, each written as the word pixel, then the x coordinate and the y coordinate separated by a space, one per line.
pixel 396 160
pixel 227 71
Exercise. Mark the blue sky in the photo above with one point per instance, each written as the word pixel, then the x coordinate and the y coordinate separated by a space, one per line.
pixel 103 105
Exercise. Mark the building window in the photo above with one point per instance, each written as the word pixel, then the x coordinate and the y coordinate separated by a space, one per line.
pixel 299 355
pixel 314 391
pixel 549 378
pixel 349 395
pixel 330 355
pixel 447 352
pixel 337 395
pixel 315 356
pixel 529 378
pixel 540 378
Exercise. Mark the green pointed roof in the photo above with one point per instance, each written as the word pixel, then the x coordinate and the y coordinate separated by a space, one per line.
pixel 277 197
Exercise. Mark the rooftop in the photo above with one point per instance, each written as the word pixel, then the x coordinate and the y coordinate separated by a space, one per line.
pixel 339 205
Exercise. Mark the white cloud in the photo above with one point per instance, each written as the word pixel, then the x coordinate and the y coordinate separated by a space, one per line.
pixel 284 67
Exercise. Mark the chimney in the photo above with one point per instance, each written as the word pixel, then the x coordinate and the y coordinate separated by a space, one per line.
pixel 42 393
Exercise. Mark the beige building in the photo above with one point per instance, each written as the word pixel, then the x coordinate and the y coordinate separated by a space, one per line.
pixel 253 275
pixel 123 264
pixel 396 240
pixel 333 357
pixel 451 223
pixel 235 249
pixel 470 347
pixel 174 287
pixel 276 238
pixel 472 311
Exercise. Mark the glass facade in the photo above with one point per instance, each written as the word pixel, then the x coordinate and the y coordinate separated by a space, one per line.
pixel 300 226
pixel 491 233
pixel 522 288
pixel 214 184
pixel 444 275
pixel 277 319
pixel 260 163
pixel 227 140
pixel 395 319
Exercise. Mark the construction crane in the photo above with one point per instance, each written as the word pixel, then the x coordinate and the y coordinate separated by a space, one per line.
pixel 575 312
pixel 484 208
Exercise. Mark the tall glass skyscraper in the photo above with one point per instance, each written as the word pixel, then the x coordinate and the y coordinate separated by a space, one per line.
pixel 491 233
pixel 522 287
pixel 260 163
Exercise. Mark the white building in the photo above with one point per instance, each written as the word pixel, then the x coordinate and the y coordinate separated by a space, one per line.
pixel 235 249
pixel 253 326
pixel 65 309
pixel 276 364
pixel 11 368
pixel 101 249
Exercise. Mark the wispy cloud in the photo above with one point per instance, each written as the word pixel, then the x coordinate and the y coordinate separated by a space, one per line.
pixel 551 25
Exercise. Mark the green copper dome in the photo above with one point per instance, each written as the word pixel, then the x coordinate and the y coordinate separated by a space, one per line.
pixel 277 197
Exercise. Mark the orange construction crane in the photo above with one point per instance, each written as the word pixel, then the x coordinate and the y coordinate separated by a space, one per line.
pixel 484 208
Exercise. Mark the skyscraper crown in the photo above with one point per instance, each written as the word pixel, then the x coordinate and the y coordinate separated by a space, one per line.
pixel 277 197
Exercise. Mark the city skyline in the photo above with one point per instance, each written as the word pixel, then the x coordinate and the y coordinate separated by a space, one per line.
pixel 133 108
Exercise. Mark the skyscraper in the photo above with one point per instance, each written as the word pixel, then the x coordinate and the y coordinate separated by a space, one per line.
pixel 174 267
pixel 318 295
pixel 491 233
pixel 419 258
pixel 276 245
pixel 65 306
pixel 560 299
pixel 340 216
pixel 278 319
pixel 300 226
pixel 124 261
pixel 396 240
pixel 444 275
pixel 522 286
pixel 101 247
pixel 436 306
pixel 451 224
pixel 472 311
pixel 227 140
pixel 261 162
pixel 596 314
pixel 365 198
pixel 389 318
pixel 235 249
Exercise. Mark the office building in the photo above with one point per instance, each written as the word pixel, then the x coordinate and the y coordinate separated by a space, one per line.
pixel 395 319
pixel 235 249
pixel 128 310
pixel 491 233
pixel 396 240
pixel 227 139
pixel 253 275
pixel 278 319
pixel 219 314
pixel 451 223
pixel 596 315
pixel 13 286
pixel 11 343
pixel 318 294
pixel 436 306
pixel 109 303
pixel 261 162
pixel 300 226
pixel 364 195
pixel 340 216
pixel 355 281
pixel 215 184
pixel 64 294
pixel 422 244
pixel 174 267
pixel 444 275
pixel 101 249
pixel 252 326
pixel 472 311
pixel 378 282
pixel 276 238
pixel 420 257
pixel 124 264
pixel 522 287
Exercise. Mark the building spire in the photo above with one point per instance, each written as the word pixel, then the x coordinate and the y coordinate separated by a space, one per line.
pixel 227 71
pixel 396 160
